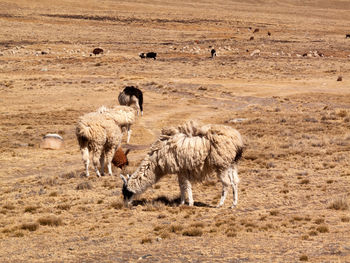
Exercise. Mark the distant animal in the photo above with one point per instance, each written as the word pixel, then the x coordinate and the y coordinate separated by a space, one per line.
pixel 251 38
pixel 120 158
pixel 193 152
pixel 340 78
pixel 100 132
pixel 97 51
pixel 305 55
pixel 148 55
pixel 256 30
pixel 347 36
pixel 132 96
pixel 213 53
pixel 269 33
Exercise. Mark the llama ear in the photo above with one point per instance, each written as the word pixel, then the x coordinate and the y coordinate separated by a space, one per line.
pixel 125 181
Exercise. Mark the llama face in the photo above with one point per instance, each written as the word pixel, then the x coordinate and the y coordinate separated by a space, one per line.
pixel 128 195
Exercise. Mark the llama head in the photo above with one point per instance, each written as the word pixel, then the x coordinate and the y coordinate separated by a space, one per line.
pixel 128 195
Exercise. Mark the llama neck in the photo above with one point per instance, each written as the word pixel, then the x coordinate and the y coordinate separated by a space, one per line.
pixel 145 176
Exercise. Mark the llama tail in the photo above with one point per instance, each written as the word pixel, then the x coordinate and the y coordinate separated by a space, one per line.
pixel 239 153
pixel 84 134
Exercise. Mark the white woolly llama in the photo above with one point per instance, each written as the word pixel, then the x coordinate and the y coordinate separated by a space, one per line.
pixel 193 152
pixel 126 117
pixel 100 133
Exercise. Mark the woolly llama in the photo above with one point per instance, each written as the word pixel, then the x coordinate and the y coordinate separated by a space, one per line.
pixel 126 117
pixel 193 152
pixel 100 133
pixel 132 96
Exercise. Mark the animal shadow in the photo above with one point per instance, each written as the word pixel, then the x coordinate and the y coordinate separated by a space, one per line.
pixel 166 201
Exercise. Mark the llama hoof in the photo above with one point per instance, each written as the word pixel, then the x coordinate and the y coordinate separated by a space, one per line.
pixel 233 206
pixel 218 206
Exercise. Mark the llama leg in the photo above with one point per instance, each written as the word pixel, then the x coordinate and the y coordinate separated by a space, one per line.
pixel 182 190
pixel 185 186
pixel 129 131
pixel 189 193
pixel 85 154
pixel 102 164
pixel 95 161
pixel 233 173
pixel 225 180
pixel 138 107
pixel 109 157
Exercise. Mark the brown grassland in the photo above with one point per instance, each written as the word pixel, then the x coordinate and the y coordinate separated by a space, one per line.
pixel 293 113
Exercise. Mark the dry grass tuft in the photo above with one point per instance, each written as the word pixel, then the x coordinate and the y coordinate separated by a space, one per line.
pixel 319 221
pixel 322 229
pixel 146 240
pixel 30 226
pixel 193 232
pixel 8 206
pixel 53 194
pixel 63 206
pixel 117 205
pixel 83 186
pixel 303 258
pixel 339 204
pixel 50 220
pixel 345 219
pixel 313 233
pixel 305 181
pixel 164 235
pixel 50 181
pixel 274 213
pixel 30 209
pixel 199 224
pixel 175 228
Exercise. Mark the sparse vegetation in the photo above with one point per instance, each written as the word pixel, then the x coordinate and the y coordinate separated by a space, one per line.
pixel 293 114
pixel 340 203
pixel 345 219
pixel 304 258
pixel 146 240
pixel 84 186
pixel 64 206
pixel 117 205
pixel 322 229
pixel 30 226
pixel 50 220
pixel 193 232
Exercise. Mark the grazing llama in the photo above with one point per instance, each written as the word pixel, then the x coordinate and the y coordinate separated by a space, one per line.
pixel 100 132
pixel 193 152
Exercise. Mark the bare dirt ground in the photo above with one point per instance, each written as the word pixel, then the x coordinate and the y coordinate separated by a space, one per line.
pixel 293 113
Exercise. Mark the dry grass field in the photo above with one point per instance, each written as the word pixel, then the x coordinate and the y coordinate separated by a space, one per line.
pixel 293 113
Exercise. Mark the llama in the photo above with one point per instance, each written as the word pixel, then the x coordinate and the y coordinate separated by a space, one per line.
pixel 97 51
pixel 193 152
pixel 120 158
pixel 132 96
pixel 213 53
pixel 100 132
pixel 126 117
pixel 148 55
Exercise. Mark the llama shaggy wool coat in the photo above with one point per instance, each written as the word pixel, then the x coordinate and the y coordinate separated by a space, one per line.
pixel 189 150
pixel 98 131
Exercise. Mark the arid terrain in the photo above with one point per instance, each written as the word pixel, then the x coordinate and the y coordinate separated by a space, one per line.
pixel 281 77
